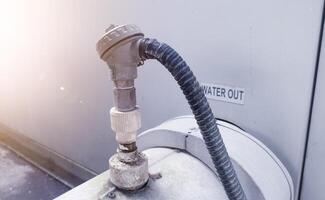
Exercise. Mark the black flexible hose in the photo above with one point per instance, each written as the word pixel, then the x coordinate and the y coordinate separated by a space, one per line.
pixel 167 56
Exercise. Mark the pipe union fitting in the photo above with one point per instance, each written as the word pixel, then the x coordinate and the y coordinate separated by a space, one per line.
pixel 125 124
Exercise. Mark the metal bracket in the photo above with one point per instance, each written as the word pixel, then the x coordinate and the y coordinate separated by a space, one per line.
pixel 257 166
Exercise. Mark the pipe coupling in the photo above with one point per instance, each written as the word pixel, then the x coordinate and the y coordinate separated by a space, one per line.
pixel 129 175
pixel 125 125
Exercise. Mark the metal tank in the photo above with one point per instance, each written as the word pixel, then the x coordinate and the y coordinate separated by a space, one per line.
pixel 180 167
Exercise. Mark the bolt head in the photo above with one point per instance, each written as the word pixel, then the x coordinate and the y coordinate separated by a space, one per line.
pixel 111 195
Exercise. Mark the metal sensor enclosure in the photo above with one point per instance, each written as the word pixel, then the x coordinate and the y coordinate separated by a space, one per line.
pixel 119 48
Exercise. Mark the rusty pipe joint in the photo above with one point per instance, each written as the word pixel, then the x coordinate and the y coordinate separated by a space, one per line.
pixel 128 168
pixel 119 48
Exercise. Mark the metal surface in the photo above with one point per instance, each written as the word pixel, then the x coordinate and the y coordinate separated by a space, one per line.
pixel 129 175
pixel 250 156
pixel 125 125
pixel 118 47
pixel 314 175
pixel 54 89
pixel 115 35
pixel 128 168
pixel 181 177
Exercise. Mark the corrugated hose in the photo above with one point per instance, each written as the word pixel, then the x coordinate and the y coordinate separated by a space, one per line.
pixel 167 56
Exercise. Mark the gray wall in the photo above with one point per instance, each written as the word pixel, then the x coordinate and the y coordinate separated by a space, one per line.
pixel 314 176
pixel 55 90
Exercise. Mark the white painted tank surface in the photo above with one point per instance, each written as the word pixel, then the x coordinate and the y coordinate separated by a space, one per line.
pixel 180 168
pixel 175 175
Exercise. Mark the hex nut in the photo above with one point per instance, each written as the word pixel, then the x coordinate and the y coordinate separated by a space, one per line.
pixel 129 176
pixel 125 99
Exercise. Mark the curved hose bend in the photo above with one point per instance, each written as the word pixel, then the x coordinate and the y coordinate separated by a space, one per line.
pixel 167 56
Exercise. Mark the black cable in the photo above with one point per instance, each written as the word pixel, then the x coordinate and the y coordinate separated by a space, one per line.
pixel 167 56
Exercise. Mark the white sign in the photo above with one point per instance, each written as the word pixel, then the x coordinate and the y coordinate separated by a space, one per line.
pixel 224 93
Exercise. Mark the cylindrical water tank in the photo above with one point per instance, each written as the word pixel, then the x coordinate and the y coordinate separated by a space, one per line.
pixel 180 167
pixel 176 175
